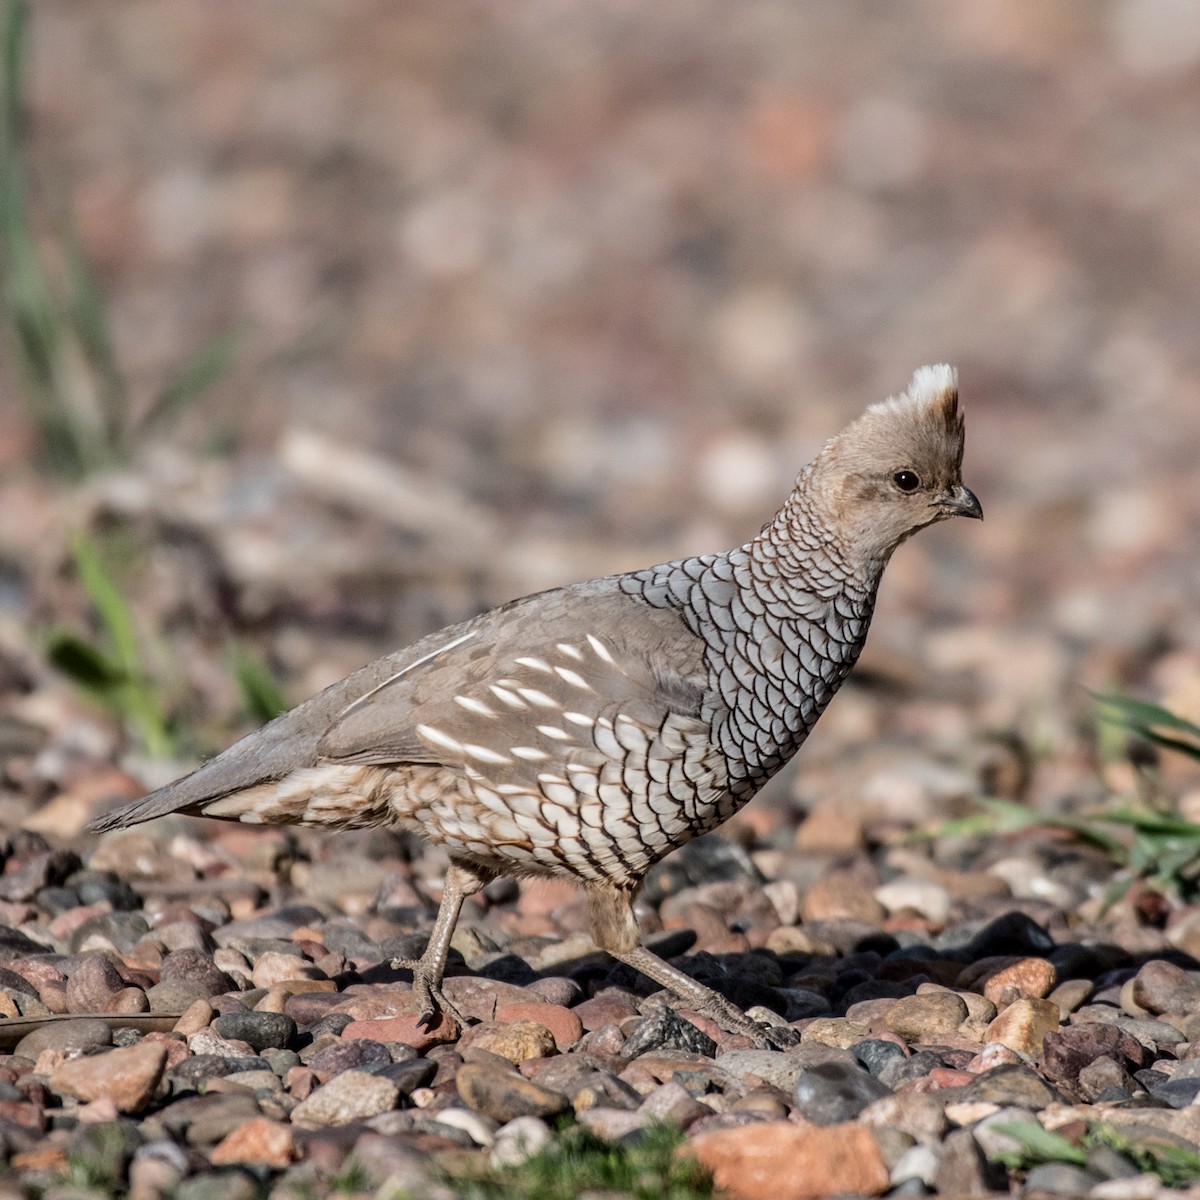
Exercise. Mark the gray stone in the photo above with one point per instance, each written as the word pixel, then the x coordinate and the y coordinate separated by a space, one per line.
pixel 829 1093
pixel 1060 1179
pixel 82 1033
pixel 195 967
pixel 900 1070
pixel 260 1030
pixel 350 1096
pixel 927 1017
pixel 175 995
pixel 504 1095
pixel 666 1030
pixel 771 1066
pixel 962 1169
pixel 1162 987
pixel 1010 1084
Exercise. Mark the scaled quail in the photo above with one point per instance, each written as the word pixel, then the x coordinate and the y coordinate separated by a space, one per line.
pixel 588 731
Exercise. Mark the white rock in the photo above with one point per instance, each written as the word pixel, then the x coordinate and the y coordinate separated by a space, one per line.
pixel 924 896
pixel 518 1141
pixel 917 1162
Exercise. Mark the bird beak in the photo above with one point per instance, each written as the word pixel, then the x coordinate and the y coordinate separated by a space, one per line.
pixel 959 501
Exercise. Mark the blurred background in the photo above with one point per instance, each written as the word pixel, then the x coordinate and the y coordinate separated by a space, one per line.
pixel 327 324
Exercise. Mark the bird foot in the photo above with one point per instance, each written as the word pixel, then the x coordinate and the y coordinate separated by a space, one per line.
pixel 769 1032
pixel 435 1004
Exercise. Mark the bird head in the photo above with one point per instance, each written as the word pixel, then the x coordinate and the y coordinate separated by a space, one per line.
pixel 897 468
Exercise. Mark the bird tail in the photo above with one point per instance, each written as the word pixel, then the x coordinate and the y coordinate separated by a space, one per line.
pixel 157 804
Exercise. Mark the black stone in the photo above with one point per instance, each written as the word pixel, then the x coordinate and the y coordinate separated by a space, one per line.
pixel 1178 1093
pixel 260 1030
pixel 407 1076
pixel 875 1054
pixel 832 1092
pixel 665 1030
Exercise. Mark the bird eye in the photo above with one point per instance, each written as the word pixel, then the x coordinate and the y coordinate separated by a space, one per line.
pixel 906 481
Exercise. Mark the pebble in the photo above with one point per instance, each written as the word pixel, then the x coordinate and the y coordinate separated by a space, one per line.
pixel 517 1141
pixel 564 1025
pixel 1066 1052
pixel 923 896
pixel 609 1008
pixel 92 985
pixel 672 1104
pixel 128 1077
pixel 962 1168
pixel 1059 1179
pixel 175 996
pixel 478 1128
pixel 921 1117
pixel 778 1160
pixel 257 1142
pixel 350 1096
pixel 834 1031
pixel 274 968
pixel 1004 978
pixel 832 1092
pixel 503 1095
pixel 259 1030
pixel 349 1054
pixel 772 1066
pixel 1010 1085
pixel 840 895
pixel 917 1162
pixel 196 968
pixel 79 1034
pixel 666 1030
pixel 612 1124
pixel 928 1017
pixel 405 1030
pixel 1024 1024
pixel 517 1041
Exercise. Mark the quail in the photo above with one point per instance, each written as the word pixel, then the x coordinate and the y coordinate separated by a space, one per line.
pixel 587 731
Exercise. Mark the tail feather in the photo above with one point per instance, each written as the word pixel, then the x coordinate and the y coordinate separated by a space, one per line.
pixel 157 804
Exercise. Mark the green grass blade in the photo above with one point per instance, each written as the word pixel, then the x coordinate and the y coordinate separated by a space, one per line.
pixel 1038 1145
pixel 1147 720
pixel 85 664
pixel 205 368
pixel 137 701
pixel 260 693
pixel 89 320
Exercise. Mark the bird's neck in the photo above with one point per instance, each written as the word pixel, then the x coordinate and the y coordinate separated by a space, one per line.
pixel 801 545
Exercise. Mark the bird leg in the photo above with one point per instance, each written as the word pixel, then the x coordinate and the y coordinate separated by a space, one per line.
pixel 614 929
pixel 429 969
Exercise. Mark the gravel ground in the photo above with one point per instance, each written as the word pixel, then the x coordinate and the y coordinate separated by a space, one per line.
pixel 196 1010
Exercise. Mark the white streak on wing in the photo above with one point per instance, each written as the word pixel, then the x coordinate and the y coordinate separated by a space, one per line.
pixel 528 753
pixel 570 651
pixel 442 740
pixel 483 754
pixel 579 719
pixel 507 696
pixel 560 793
pixel 474 706
pixel 534 664
pixel 538 698
pixel 601 649
pixel 573 678
pixel 553 731
pixel 412 666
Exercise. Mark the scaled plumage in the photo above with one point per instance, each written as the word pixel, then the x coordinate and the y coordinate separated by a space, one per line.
pixel 588 731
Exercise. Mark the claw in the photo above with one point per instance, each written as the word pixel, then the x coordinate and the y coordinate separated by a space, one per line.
pixel 435 1004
